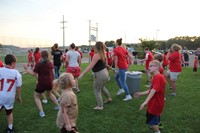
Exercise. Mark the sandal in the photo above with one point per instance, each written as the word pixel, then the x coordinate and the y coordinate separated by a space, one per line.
pixel 98 108
pixel 77 91
pixel 108 101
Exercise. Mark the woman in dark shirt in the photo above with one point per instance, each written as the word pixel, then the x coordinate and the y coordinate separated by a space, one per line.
pixel 57 55
pixel 98 66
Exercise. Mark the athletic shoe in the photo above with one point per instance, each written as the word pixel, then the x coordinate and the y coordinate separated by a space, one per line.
pixel 172 94
pixel 45 101
pixel 57 108
pixel 76 92
pixel 120 92
pixel 128 97
pixel 8 130
pixel 160 126
pixel 42 114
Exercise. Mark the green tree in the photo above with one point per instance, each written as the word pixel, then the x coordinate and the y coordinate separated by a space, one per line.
pixel 110 43
pixel 151 44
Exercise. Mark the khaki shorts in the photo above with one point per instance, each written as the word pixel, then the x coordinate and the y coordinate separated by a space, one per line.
pixel 173 75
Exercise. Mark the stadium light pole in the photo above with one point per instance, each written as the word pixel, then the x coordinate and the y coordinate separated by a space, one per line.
pixel 63 23
pixel 92 28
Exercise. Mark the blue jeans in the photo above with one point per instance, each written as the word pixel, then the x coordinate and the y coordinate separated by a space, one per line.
pixel 120 78
pixel 56 70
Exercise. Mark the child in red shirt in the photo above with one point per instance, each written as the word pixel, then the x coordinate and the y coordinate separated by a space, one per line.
pixel 109 58
pixel 91 54
pixel 37 55
pixel 195 65
pixel 155 99
pixel 30 58
pixel 159 57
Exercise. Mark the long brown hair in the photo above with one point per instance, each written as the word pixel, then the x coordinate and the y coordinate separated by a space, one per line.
pixel 45 56
pixel 100 49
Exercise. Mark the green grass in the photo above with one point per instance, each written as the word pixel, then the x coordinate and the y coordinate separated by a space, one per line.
pixel 181 113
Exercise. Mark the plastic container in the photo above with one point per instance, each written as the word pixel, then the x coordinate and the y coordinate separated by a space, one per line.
pixel 133 81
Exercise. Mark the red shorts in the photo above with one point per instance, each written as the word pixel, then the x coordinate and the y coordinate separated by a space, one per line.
pixel 75 71
pixel 30 59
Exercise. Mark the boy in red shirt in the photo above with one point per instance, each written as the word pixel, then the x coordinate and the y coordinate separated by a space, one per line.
pixel 155 100
pixel 195 65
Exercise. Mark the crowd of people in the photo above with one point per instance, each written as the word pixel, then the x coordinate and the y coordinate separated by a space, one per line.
pixel 45 66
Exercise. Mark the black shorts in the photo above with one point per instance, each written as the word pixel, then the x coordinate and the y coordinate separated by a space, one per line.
pixel 152 119
pixel 8 111
pixel 40 89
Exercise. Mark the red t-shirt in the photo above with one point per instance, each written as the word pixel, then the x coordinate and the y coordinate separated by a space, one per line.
pixel 195 63
pixel 37 57
pixel 156 103
pixel 161 69
pixel 175 62
pixel 1 63
pixel 30 56
pixel 109 58
pixel 149 57
pixel 165 61
pixel 121 54
pixel 91 54
pixel 45 74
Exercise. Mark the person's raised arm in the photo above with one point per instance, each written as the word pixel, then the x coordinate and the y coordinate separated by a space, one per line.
pixel 29 71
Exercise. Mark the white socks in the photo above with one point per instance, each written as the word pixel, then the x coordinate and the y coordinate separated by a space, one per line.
pixel 10 126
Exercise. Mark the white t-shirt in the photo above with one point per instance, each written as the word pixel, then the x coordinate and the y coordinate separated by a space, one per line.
pixel 73 58
pixel 10 79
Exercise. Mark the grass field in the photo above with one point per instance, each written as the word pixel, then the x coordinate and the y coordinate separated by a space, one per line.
pixel 181 113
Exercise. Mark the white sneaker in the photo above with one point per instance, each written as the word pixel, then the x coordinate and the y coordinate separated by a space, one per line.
pixel 128 97
pixel 42 114
pixel 120 92
pixel 57 108
pixel 45 101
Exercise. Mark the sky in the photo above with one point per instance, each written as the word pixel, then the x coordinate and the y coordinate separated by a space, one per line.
pixel 30 23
